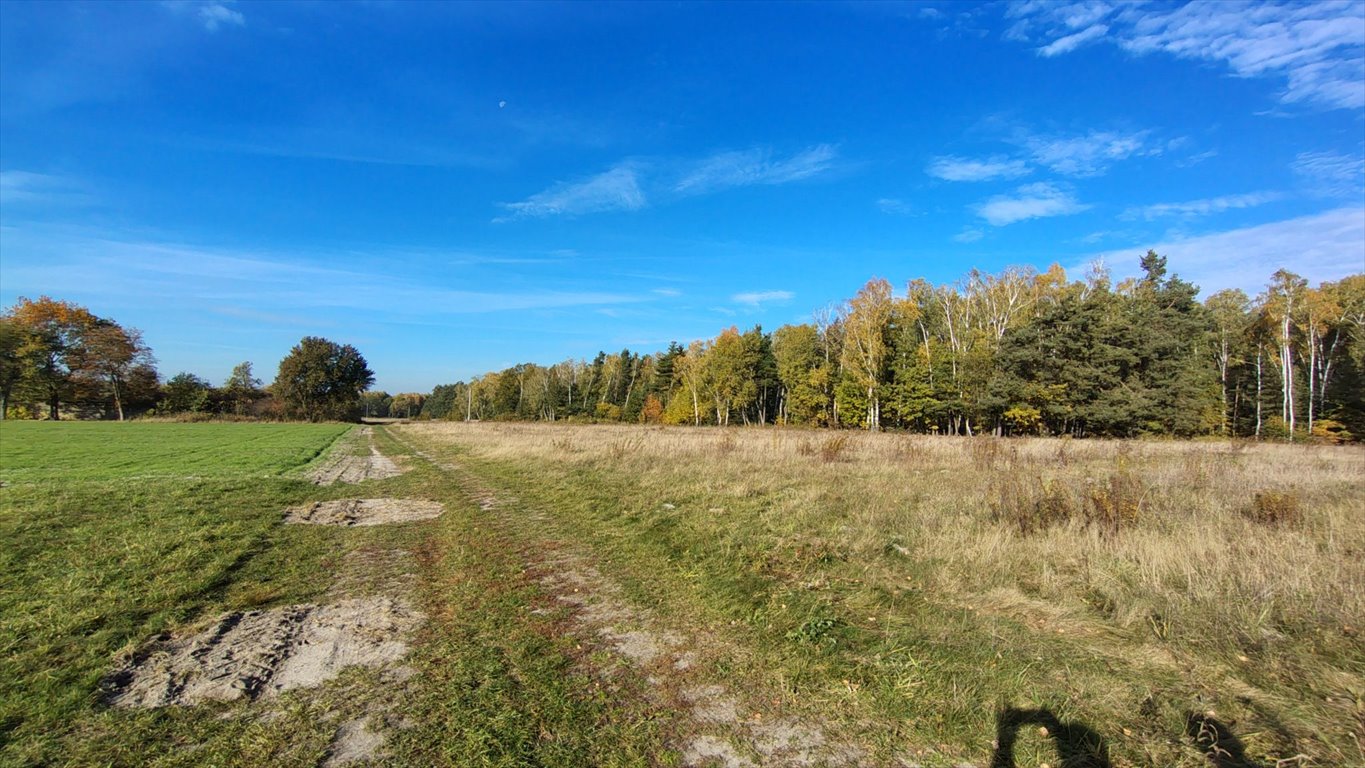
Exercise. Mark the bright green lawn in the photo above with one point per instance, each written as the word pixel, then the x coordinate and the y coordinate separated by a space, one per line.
pixel 32 451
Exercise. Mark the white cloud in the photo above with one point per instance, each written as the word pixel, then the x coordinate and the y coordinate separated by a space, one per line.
pixel 670 292
pixel 1316 48
pixel 758 298
pixel 214 15
pixel 1202 207
pixel 965 169
pixel 969 235
pixel 754 166
pixel 894 206
pixel 1071 42
pixel 1324 246
pixel 615 190
pixel 1089 154
pixel 1330 173
pixel 1031 201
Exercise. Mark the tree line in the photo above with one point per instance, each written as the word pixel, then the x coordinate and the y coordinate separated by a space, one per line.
pixel 1015 353
pixel 59 359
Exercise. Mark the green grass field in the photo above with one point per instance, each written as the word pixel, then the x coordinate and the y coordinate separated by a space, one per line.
pixel 113 533
pixel 880 591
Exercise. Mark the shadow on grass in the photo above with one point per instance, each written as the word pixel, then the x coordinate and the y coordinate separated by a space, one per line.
pixel 1213 737
pixel 1078 746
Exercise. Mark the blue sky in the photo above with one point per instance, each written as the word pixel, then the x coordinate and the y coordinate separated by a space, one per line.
pixel 456 188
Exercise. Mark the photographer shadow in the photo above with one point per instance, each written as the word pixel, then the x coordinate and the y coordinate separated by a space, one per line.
pixel 1078 746
pixel 1216 740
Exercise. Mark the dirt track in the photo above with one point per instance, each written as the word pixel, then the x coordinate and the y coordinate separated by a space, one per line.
pixel 351 512
pixel 346 465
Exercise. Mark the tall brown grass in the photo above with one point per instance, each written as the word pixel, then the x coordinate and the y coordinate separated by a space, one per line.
pixel 1247 557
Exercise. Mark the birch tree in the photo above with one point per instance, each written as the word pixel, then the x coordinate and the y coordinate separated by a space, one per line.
pixel 865 343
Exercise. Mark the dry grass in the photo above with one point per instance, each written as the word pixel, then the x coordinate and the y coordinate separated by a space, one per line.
pixel 1236 568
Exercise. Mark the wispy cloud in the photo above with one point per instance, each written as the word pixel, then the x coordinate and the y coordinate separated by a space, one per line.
pixel 754 166
pixel 623 187
pixel 952 168
pixel 1331 173
pixel 212 14
pixel 1316 48
pixel 19 187
pixel 1324 246
pixel 894 206
pixel 756 299
pixel 969 235
pixel 1088 154
pixel 1204 207
pixel 113 268
pixel 1031 201
pixel 669 292
pixel 1073 41
pixel 615 190
pixel 215 15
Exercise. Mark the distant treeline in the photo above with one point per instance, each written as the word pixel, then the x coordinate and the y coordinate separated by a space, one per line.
pixel 59 360
pixel 1020 352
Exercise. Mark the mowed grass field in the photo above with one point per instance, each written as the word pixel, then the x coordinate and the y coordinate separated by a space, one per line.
pixel 929 600
pixel 111 534
pixel 114 532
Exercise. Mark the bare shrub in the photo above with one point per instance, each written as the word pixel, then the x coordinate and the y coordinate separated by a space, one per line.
pixel 833 448
pixel 726 444
pixel 1063 454
pixel 1275 508
pixel 620 449
pixel 1115 504
pixel 1030 505
pixel 984 452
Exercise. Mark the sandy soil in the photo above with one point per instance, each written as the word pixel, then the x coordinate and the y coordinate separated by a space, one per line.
pixel 348 512
pixel 261 653
pixel 345 466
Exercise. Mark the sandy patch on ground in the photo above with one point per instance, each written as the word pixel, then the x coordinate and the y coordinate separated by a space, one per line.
pixel 348 512
pixel 345 465
pixel 354 742
pixel 261 653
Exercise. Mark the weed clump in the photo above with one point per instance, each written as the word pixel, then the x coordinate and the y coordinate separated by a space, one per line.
pixel 620 449
pixel 1114 504
pixel 911 451
pixel 1275 509
pixel 984 452
pixel 833 448
pixel 817 631
pixel 1030 505
pixel 1036 504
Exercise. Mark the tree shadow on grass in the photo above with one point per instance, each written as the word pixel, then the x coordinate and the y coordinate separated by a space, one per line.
pixel 1213 737
pixel 1078 746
